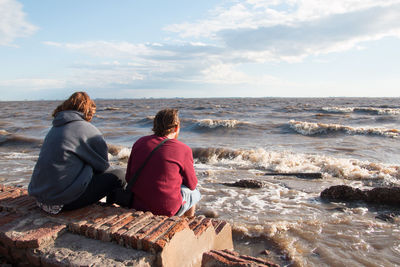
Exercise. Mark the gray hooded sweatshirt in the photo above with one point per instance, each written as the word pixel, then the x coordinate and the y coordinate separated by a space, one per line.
pixel 72 151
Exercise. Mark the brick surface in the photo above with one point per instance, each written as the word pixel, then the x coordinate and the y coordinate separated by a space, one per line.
pixel 106 230
pixel 219 225
pixel 17 203
pixel 203 225
pixel 41 235
pixel 6 217
pixel 136 239
pixel 89 229
pixel 226 258
pixel 78 222
pixel 148 242
pixel 134 227
pixel 163 240
pixel 121 236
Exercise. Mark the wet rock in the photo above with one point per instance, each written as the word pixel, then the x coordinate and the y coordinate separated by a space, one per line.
pixel 343 193
pixel 246 184
pixel 211 214
pixel 387 217
pixel 379 195
pixel 384 195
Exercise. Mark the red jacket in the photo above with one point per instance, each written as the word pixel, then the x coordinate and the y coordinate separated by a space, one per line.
pixel 158 187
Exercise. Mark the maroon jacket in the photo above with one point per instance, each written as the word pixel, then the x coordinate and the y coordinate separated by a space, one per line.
pixel 158 187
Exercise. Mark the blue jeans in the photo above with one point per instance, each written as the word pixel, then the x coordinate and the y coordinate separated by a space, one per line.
pixel 189 199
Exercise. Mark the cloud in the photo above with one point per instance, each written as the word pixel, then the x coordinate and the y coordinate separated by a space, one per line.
pixel 13 23
pixel 215 50
pixel 329 34
pixel 291 30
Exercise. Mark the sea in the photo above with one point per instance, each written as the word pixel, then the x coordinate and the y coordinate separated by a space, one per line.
pixel 350 141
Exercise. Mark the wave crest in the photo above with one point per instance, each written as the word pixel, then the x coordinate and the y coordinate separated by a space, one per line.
pixel 373 110
pixel 313 128
pixel 290 162
pixel 209 123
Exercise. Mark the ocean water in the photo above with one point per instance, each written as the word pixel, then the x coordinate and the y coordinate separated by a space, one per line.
pixel 351 141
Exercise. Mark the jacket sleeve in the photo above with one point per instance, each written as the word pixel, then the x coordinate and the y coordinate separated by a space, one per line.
pixel 188 173
pixel 93 150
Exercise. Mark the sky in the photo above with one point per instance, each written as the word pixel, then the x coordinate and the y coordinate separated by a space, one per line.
pixel 179 48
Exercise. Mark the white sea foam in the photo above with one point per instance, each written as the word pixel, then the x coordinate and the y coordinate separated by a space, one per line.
pixel 288 162
pixel 338 109
pixel 312 128
pixel 379 111
pixel 17 155
pixel 209 123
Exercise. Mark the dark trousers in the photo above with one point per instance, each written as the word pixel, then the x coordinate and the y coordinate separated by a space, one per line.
pixel 101 185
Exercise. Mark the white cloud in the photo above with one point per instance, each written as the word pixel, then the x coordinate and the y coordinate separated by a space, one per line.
pixel 294 29
pixel 13 23
pixel 214 50
pixel 106 49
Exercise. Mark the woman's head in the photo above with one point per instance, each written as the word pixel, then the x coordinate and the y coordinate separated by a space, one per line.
pixel 79 101
pixel 165 122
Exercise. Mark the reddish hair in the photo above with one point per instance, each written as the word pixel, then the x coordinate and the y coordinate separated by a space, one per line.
pixel 79 101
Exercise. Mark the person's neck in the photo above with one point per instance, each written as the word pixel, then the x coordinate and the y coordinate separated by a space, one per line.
pixel 171 135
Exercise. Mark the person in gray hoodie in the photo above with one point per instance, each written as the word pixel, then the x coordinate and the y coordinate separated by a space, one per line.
pixel 72 168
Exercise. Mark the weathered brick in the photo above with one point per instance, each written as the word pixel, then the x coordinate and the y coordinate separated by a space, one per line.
pixel 195 222
pixel 134 227
pixel 80 220
pixel 219 226
pixel 43 234
pixel 92 227
pixel 7 195
pixel 6 217
pixel 163 240
pixel 148 241
pixel 118 231
pixel 204 225
pixel 106 230
pixel 17 203
pixel 136 239
pixel 6 224
pixel 74 215
pixel 229 258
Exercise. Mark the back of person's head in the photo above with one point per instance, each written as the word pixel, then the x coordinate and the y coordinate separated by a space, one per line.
pixel 79 101
pixel 165 122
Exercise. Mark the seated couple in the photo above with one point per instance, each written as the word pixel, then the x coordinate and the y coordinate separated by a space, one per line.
pixel 72 170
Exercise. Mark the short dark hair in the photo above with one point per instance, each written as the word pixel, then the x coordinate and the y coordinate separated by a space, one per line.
pixel 165 122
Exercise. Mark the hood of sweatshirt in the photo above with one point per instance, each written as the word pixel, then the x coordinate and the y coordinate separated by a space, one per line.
pixel 64 117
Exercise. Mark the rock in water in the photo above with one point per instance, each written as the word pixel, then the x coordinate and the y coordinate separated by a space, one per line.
pixel 379 195
pixel 384 195
pixel 246 184
pixel 343 193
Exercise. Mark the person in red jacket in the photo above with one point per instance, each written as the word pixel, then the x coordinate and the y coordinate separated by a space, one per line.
pixel 167 183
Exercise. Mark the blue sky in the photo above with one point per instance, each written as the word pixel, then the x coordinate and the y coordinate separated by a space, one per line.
pixel 253 48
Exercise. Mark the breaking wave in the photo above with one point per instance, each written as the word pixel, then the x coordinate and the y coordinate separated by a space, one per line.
pixel 290 162
pixel 8 139
pixel 370 110
pixel 212 124
pixel 312 128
